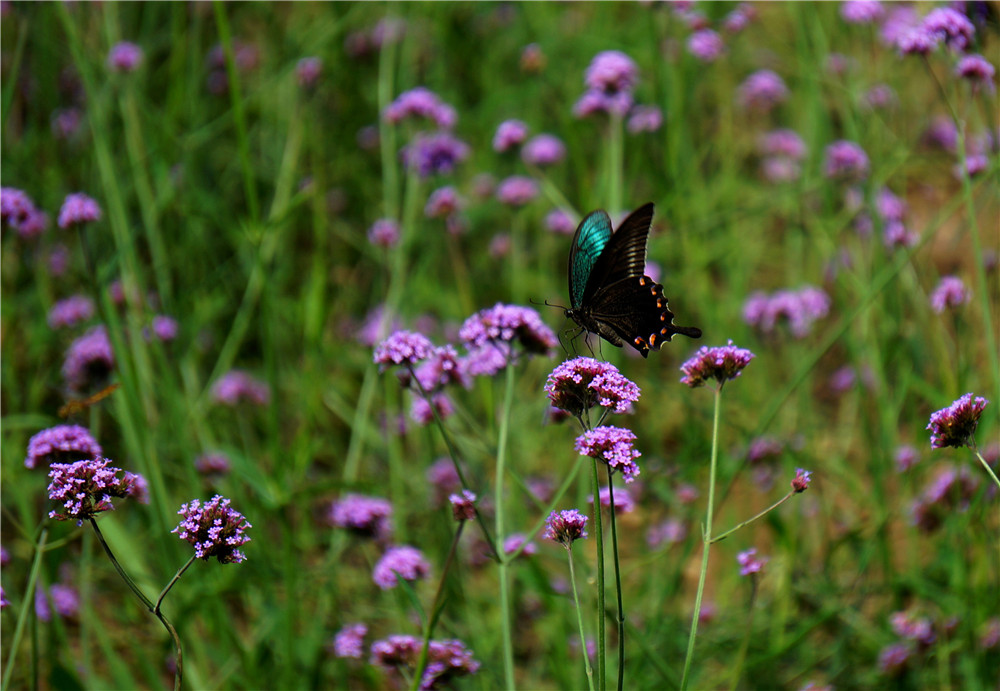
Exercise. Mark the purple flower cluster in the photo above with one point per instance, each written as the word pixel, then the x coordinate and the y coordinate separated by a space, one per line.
pixel 800 308
pixel 892 210
pixel 977 70
pixel 163 328
pixel 565 527
pixel 349 641
pixel 443 477
pixel 384 233
pixel 236 386
pixel 402 562
pixel 85 488
pixel 543 150
pixel 71 311
pixel 124 57
pixel 78 209
pixel 721 363
pixel 517 190
pixel 61 444
pixel 504 326
pixel 861 11
pixel 942 25
pixel 950 491
pixel 845 160
pixel 65 600
pixel 442 202
pixel 579 384
pixel 519 541
pixel 956 424
pixel 446 659
pixel 892 659
pixel 421 102
pixel 706 45
pixel 912 627
pixel 441 368
pixel 644 119
pixel 623 499
pixel 362 515
pixel 307 71
pixel 213 464
pixel 403 348
pixel 670 531
pixel 463 506
pixel 435 153
pixel 949 293
pixel 749 562
pixel 610 79
pixel 558 221
pixel 509 134
pixel 89 360
pixel 782 151
pixel 214 530
pixel 423 409
pixel 800 483
pixel 18 211
pixel 762 90
pixel 906 457
pixel 612 445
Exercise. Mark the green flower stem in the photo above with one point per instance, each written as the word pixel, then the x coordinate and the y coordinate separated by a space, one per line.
pixel 27 605
pixel 436 609
pixel 986 465
pixel 505 604
pixel 618 583
pixel 707 540
pixel 772 507
pixel 599 529
pixel 579 618
pixel 616 154
pixel 155 609
pixel 744 646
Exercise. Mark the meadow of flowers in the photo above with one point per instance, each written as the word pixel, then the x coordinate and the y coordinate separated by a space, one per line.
pixel 283 406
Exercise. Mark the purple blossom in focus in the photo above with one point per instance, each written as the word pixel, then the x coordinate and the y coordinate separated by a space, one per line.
pixel 581 383
pixel 509 134
pixel 384 233
pixel 517 190
pixel 721 363
pixel 543 150
pixel 124 57
pixel 349 641
pixel 644 119
pixel 956 424
pixel 762 90
pixel 71 311
pixel 436 153
pixel 949 293
pixel 706 45
pixel 749 562
pixel 368 517
pixel 89 361
pixel 237 386
pixel 565 527
pixel 861 11
pixel 403 562
pixel 214 530
pixel 85 488
pixel 613 446
pixel 78 209
pixel 845 160
pixel 420 102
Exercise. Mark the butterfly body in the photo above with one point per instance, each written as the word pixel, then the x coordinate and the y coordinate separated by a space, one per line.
pixel 610 294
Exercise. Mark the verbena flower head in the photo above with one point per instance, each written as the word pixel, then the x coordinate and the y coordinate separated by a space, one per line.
pixel 956 424
pixel 750 562
pixel 164 328
pixel 504 326
pixel 15 205
pixel 565 527
pixel 783 142
pixel 137 487
pixel 612 445
pixel 85 488
pixel 721 363
pixel 442 202
pixel 906 457
pixel 423 409
pixel 899 20
pixel 543 150
pixel 403 562
pixel 911 626
pixel 893 658
pixel 517 190
pixel 441 368
pixel 879 96
pixel 65 600
pixel 670 531
pixel 509 134
pixel 643 119
pixel 89 360
pixel 706 45
pixel 762 90
pixel 950 27
pixel 861 11
pixel 463 506
pixel 362 515
pixel 950 292
pixel 403 348
pixel 124 57
pixel 384 233
pixel 916 41
pixel 623 499
pixel 977 70
pixel 307 71
pixel 214 530
pixel 216 464
pixel 845 160
pixel 420 102
pixel 581 383
pixel 513 543
pixel 71 311
pixel 436 153
pixel 558 221
pixel 611 71
pixel 949 491
pixel 443 477
pixel 799 308
pixel 800 483
pixel 237 386
pixel 349 641
pixel 446 659
pixel 78 209
pixel 61 444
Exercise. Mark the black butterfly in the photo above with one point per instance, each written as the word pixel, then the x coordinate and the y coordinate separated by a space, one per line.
pixel 608 289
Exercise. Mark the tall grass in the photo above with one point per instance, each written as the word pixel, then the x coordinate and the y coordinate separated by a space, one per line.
pixel 238 202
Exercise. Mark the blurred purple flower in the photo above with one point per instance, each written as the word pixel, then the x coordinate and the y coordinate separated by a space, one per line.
pixel 783 142
pixel 236 386
pixel 422 409
pixel 706 45
pixel 403 562
pixel 977 70
pixel 441 368
pixel 213 464
pixel 89 361
pixel 670 531
pixel 912 627
pixel 420 102
pixel 517 190
pixel 504 325
pixel 71 311
pixel 65 122
pixel 543 150
pixel 533 60
pixel 124 57
pixel 893 658
pixel 739 18
pixel 905 457
pixel 800 308
pixel 384 233
pixel 948 492
pixel 509 134
pixel 950 26
pixel 949 293
pixel 956 424
pixel 436 153
pixel 442 202
pixel 513 543
pixel 749 562
pixel 78 209
pixel 214 530
pixel 878 97
pixel 443 477
pixel 307 71
pixel 611 71
pixel 721 363
pixel 558 221
pixel 644 119
pixel 845 160
pixel 762 90
pixel 365 516
pixel 61 444
pixel 861 11
pixel 614 446
pixel 899 20
pixel 403 348
pixel 349 641
pixel 164 328
pixel 463 506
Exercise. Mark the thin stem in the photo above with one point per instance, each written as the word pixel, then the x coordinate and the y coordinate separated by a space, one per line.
pixel 26 607
pixel 707 540
pixel 986 465
pixel 180 572
pixel 505 604
pixel 747 522
pixel 599 529
pixel 618 584
pixel 745 645
pixel 579 618
pixel 118 567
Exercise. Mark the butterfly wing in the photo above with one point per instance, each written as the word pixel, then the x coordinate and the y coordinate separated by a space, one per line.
pixel 589 242
pixel 635 309
pixel 624 255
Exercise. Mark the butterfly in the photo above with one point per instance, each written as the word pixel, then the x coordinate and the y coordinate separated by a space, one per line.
pixel 610 295
pixel 77 406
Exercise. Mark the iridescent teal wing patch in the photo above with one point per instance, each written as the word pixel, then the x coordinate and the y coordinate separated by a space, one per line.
pixel 591 238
